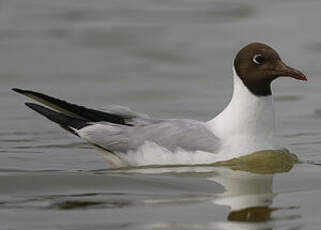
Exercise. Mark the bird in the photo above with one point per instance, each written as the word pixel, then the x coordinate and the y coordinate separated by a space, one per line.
pixel 127 138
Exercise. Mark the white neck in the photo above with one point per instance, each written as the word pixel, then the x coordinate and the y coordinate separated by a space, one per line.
pixel 247 124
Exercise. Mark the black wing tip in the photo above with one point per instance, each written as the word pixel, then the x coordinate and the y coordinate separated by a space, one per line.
pixel 39 108
pixel 75 110
pixel 46 112
pixel 34 106
pixel 63 120
pixel 23 91
pixel 18 90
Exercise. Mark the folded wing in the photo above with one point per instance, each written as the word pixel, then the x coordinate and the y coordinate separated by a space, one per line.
pixel 172 134
pixel 119 129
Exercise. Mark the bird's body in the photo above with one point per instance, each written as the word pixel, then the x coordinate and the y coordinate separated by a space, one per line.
pixel 128 138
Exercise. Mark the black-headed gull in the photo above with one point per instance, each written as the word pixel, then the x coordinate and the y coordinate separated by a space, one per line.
pixel 128 138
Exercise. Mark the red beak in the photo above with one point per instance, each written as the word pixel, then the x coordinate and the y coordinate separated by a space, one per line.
pixel 286 71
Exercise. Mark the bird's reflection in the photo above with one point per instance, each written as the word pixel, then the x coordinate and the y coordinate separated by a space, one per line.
pixel 248 186
pixel 249 197
pixel 247 194
pixel 249 189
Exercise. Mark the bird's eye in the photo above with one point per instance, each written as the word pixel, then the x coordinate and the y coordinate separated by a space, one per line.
pixel 258 59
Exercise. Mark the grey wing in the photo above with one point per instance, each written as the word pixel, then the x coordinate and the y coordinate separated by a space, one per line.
pixel 121 129
pixel 125 112
pixel 171 134
pixel 130 116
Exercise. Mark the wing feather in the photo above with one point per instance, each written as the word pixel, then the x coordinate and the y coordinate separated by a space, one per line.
pixel 171 134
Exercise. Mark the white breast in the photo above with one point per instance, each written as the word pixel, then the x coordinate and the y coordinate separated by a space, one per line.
pixel 247 124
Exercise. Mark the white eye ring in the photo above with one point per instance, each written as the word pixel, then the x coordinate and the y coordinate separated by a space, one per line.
pixel 256 59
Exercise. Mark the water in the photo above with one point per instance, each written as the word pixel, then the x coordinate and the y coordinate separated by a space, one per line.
pixel 170 59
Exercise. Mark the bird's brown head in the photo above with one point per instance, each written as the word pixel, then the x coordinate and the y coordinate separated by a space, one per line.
pixel 258 65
